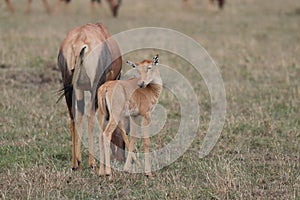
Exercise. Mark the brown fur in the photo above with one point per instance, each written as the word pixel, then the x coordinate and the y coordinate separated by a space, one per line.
pixel 121 98
pixel 75 48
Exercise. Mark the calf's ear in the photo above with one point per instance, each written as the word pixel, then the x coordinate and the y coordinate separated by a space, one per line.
pixel 131 64
pixel 155 60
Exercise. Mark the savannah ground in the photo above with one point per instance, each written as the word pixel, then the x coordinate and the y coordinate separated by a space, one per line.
pixel 256 47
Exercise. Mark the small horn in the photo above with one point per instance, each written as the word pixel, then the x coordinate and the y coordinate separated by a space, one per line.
pixel 131 64
pixel 155 60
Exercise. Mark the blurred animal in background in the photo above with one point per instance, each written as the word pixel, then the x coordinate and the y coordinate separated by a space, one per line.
pixel 113 4
pixel 28 9
pixel 87 58
pixel 9 6
pixel 220 3
pixel 211 3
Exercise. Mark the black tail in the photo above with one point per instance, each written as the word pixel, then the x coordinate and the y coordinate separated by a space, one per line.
pixel 107 110
pixel 65 91
pixel 67 88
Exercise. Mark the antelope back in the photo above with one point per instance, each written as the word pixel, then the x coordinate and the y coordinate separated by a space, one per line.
pixel 90 52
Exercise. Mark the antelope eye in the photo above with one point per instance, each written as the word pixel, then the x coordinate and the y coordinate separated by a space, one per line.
pixel 148 69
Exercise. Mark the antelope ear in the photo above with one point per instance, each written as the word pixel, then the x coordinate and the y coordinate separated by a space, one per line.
pixel 155 60
pixel 131 64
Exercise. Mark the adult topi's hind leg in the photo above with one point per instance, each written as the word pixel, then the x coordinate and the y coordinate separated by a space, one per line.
pixel 73 135
pixel 69 101
pixel 79 118
pixel 91 124
pixel 78 135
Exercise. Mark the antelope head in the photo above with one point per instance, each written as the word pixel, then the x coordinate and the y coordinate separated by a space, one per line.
pixel 148 72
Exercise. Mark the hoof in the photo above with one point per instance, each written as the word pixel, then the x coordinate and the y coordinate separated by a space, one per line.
pixel 132 161
pixel 101 170
pixel 149 175
pixel 78 167
pixel 93 167
pixel 126 169
pixel 101 173
pixel 109 176
pixel 75 168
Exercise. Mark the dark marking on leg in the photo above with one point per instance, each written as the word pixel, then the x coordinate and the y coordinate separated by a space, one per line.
pixel 80 106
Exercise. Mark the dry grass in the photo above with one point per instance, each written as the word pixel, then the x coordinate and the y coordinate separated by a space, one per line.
pixel 256 45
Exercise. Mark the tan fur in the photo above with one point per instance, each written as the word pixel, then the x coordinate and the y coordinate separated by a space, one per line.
pixel 127 98
pixel 86 38
pixel 91 35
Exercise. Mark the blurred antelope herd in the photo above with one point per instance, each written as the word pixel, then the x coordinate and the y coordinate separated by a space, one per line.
pixel 113 4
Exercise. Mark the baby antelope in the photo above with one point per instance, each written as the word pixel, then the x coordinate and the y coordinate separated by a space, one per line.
pixel 128 98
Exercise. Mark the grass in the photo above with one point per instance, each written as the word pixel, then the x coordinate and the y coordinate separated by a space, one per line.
pixel 256 46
